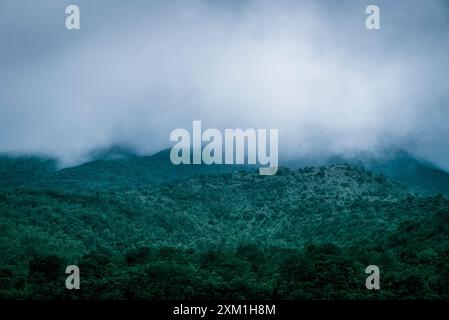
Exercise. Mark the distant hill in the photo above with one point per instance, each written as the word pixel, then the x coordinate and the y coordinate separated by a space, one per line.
pixel 19 170
pixel 142 228
pixel 288 209
pixel 115 167
pixel 403 167
pixel 399 165
pixel 120 167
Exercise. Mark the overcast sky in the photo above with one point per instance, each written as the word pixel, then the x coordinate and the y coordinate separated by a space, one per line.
pixel 136 70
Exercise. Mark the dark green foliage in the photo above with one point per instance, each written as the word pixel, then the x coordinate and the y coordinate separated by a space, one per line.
pixel 217 233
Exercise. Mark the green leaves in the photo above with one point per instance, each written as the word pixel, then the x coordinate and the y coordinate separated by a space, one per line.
pixel 302 234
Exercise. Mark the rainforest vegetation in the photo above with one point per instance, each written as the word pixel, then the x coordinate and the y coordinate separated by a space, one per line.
pixel 139 229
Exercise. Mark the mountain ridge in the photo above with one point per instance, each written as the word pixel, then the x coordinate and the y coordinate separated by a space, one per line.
pixel 305 233
pixel 124 166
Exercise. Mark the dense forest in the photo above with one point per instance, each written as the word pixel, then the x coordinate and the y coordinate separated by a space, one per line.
pixel 140 228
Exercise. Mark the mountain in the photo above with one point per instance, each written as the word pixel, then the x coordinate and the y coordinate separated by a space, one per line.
pixel 417 174
pixel 403 167
pixel 142 228
pixel 16 171
pixel 113 168
pixel 120 166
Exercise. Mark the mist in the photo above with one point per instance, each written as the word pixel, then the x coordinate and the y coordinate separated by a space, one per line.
pixel 136 71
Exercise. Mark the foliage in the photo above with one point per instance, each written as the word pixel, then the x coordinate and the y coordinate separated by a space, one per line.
pixel 207 234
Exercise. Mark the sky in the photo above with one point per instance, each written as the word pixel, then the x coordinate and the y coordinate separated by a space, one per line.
pixel 137 70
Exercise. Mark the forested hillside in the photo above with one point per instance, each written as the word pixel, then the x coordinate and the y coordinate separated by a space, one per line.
pixel 140 228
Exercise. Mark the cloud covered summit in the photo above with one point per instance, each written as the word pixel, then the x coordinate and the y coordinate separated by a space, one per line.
pixel 136 71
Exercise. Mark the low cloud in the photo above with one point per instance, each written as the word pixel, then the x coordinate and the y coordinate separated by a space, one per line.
pixel 135 72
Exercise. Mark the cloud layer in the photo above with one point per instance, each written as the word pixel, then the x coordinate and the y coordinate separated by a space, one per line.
pixel 134 72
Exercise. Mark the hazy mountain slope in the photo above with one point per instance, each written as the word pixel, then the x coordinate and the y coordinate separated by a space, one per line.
pixel 119 167
pixel 337 203
pixel 418 174
pixel 412 171
pixel 15 171
pixel 112 168
pixel 141 229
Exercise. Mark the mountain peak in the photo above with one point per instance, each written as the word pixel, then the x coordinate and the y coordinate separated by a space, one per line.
pixel 114 152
